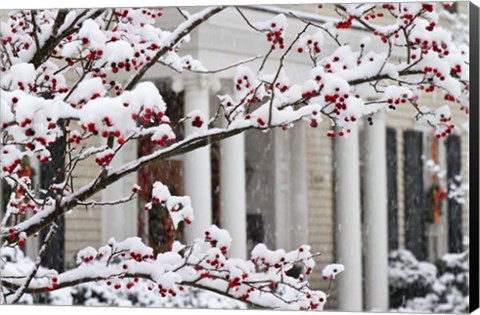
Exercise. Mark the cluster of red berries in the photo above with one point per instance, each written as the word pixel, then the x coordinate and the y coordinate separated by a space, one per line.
pixel 428 89
pixel 151 14
pixel 21 86
pixel 214 242
pixel 146 115
pixel 275 36
pixel 52 285
pixel 441 49
pixel 11 167
pixel 139 257
pixel 309 94
pixel 313 123
pixel 24 207
pixel 11 234
pixel 350 119
pixel 260 121
pixel 245 296
pixel 397 101
pixel 445 119
pixel 427 7
pixel 313 306
pixel 254 99
pixel 341 133
pixel 455 70
pixel 337 99
pixel 26 122
pixel 430 26
pixel 43 159
pixel 312 46
pixel 345 24
pixel 87 259
pixel 449 98
pixel 156 200
pixel 105 159
pixel 125 64
pixel 93 54
pixel 215 263
pixel 90 127
pixel 197 122
pixel 75 138
pixel 121 14
pixel 163 140
pixel 6 40
pixel 446 132
pixel 331 134
pixel 242 83
pixel 163 291
pixel 282 87
pixel 115 85
pixel 434 72
pixel 388 6
pixel 373 16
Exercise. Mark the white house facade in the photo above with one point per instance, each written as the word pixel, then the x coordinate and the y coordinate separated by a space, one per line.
pixel 288 188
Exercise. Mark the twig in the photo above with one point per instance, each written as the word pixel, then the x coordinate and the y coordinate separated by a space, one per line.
pixel 19 293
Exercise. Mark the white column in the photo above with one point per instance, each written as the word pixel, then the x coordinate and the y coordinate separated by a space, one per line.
pixel 282 189
pixel 298 184
pixel 233 215
pixel 196 164
pixel 120 221
pixel 348 229
pixel 375 225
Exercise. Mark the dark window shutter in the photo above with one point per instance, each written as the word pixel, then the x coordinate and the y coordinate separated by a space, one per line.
pixel 392 202
pixel 415 239
pixel 454 216
pixel 453 8
pixel 49 174
pixel 255 228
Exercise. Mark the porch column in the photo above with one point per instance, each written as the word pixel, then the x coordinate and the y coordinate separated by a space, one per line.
pixel 348 229
pixel 233 206
pixel 196 164
pixel 298 215
pixel 375 227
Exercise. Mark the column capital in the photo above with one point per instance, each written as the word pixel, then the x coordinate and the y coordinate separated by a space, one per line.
pixel 196 82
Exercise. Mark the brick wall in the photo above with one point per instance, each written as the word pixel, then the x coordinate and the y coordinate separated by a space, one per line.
pixel 83 225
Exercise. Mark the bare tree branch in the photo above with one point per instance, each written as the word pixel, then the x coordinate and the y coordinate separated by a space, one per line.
pixel 24 287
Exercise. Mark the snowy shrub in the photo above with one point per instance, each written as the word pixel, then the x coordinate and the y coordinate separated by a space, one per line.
pixel 408 277
pixel 425 287
pixel 100 294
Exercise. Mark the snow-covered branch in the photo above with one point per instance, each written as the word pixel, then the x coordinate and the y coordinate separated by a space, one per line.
pixel 261 281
